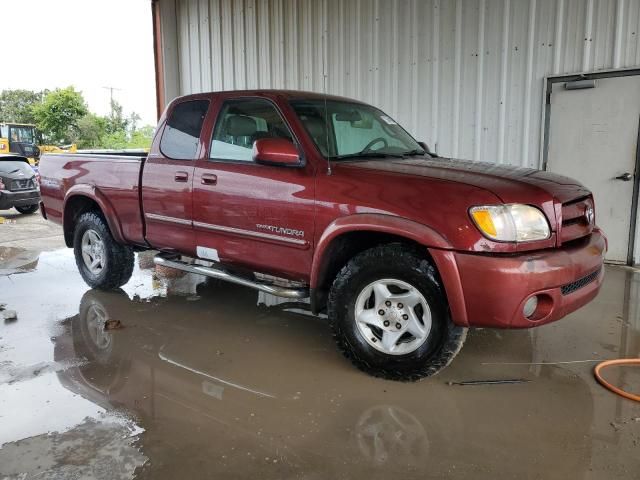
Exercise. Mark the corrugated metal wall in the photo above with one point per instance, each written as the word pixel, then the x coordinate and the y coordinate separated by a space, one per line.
pixel 464 75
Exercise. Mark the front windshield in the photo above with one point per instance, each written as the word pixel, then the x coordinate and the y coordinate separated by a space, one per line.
pixel 353 130
pixel 21 134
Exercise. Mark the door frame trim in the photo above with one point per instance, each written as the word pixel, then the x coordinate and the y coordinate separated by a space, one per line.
pixel 546 122
pixel 634 203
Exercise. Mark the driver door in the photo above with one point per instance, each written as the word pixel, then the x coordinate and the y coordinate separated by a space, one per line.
pixel 247 214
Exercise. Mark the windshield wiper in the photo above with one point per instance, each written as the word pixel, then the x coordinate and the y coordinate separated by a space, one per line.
pixel 367 155
pixel 414 152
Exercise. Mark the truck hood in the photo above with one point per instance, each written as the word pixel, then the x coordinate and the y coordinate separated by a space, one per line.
pixel 510 184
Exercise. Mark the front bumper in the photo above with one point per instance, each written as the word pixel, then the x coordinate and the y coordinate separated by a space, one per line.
pixel 18 199
pixel 491 290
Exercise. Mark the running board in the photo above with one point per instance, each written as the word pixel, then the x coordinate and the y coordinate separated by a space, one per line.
pixel 171 261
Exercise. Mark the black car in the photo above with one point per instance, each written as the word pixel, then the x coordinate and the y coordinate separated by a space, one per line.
pixel 18 184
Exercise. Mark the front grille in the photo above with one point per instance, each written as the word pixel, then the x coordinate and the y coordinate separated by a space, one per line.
pixel 577 219
pixel 578 284
pixel 22 184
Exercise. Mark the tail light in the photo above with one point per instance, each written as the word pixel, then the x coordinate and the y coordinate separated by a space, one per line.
pixel 2 187
pixel 38 178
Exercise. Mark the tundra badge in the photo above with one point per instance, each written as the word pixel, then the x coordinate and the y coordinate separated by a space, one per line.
pixel 281 230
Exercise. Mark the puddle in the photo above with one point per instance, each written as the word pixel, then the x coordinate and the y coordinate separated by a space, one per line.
pixel 17 260
pixel 227 381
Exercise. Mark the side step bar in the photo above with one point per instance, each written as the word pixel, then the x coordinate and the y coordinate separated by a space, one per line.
pixel 171 261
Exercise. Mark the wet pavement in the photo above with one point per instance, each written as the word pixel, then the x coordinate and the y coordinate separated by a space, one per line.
pixel 209 380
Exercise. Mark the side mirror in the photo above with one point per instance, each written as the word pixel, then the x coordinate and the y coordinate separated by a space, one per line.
pixel 276 151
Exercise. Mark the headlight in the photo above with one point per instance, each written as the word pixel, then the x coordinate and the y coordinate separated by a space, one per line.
pixel 511 223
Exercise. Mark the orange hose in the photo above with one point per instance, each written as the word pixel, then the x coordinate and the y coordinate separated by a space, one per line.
pixel 605 384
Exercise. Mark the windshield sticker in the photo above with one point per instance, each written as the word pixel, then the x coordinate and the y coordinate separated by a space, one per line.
pixel 388 120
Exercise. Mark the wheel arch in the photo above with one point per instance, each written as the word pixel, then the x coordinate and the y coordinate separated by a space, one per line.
pixel 348 236
pixel 85 198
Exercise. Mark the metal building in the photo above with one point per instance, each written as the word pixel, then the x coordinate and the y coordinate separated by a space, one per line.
pixel 469 77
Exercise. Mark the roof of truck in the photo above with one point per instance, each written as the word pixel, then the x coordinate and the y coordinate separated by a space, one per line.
pixel 290 94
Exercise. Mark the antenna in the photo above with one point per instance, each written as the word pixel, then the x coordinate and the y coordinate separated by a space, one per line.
pixel 326 130
pixel 324 91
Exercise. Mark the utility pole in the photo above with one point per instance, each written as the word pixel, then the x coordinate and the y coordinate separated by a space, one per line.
pixel 111 90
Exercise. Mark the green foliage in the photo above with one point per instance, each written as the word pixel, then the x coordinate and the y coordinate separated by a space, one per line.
pixel 58 115
pixel 62 117
pixel 142 137
pixel 16 106
pixel 90 131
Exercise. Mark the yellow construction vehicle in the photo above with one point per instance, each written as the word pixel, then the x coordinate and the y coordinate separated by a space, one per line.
pixel 21 139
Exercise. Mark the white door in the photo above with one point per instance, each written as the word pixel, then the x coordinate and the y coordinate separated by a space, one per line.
pixel 593 135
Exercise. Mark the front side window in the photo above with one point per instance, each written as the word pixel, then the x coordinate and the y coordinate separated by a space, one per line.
pixel 240 124
pixel 21 134
pixel 347 129
pixel 181 135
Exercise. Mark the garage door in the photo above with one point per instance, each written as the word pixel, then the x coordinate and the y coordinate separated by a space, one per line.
pixel 593 137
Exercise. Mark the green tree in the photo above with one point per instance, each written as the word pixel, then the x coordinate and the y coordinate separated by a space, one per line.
pixel 17 105
pixel 58 115
pixel 141 137
pixel 90 132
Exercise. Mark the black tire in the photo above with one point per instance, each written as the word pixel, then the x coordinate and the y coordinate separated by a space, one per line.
pixel 119 259
pixel 28 209
pixel 401 262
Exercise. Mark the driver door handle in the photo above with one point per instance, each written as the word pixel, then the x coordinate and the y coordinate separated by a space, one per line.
pixel 209 179
pixel 181 176
pixel 625 177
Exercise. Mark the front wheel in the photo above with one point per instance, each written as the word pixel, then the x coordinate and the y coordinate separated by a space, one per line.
pixel 390 317
pixel 28 209
pixel 103 263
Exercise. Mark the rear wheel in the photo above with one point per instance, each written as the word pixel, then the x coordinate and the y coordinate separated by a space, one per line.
pixel 28 209
pixel 102 262
pixel 390 316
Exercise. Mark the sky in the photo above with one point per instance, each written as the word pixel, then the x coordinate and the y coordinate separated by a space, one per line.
pixel 90 44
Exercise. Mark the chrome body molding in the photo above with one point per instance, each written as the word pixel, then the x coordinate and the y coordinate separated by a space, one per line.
pixel 250 233
pixel 164 218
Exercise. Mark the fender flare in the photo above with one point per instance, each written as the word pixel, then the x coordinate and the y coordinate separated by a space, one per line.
pixel 375 222
pixel 438 247
pixel 109 213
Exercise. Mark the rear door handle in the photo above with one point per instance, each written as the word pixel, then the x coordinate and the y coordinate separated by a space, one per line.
pixel 181 176
pixel 209 179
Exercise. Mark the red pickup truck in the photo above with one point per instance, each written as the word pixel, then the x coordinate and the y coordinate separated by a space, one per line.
pixel 312 196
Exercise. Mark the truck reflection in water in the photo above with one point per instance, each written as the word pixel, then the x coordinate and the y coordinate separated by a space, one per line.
pixel 225 386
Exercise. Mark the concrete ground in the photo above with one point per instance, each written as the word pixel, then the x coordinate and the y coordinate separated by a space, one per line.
pixel 202 380
pixel 30 232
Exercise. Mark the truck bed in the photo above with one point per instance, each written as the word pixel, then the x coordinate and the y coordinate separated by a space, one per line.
pixel 111 179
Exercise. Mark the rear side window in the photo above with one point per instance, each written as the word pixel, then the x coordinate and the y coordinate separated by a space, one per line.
pixel 181 135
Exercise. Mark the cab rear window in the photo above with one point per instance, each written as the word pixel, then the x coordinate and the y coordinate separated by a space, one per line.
pixel 181 136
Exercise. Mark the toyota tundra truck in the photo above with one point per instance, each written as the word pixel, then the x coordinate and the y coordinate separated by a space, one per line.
pixel 327 199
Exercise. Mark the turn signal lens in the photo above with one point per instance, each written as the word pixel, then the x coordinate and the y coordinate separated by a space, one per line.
pixel 482 217
pixel 511 223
